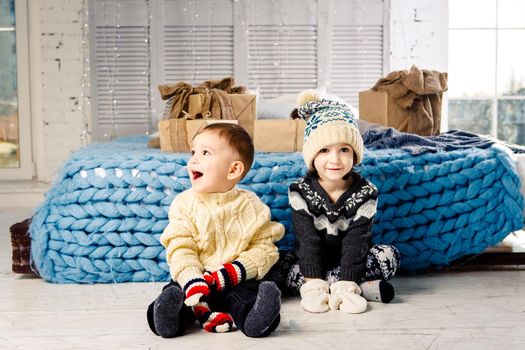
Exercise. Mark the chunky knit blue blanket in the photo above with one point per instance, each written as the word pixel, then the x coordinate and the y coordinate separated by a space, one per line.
pixel 101 221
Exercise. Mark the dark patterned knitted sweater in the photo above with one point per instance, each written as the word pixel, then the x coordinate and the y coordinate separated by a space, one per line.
pixel 332 234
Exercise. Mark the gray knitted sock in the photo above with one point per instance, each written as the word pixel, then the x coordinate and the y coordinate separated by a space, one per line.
pixel 377 290
pixel 166 311
pixel 264 316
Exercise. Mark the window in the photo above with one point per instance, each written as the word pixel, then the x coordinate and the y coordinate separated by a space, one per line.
pixel 487 80
pixel 276 48
pixel 15 147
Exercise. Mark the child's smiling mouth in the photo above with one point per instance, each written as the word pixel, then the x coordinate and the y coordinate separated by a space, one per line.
pixel 195 175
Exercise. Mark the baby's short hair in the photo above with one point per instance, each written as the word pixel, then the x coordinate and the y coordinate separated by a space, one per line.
pixel 238 139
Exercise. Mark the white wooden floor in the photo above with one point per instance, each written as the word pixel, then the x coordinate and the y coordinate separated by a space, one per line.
pixel 468 310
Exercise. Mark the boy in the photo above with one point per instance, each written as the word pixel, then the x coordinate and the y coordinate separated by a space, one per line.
pixel 219 244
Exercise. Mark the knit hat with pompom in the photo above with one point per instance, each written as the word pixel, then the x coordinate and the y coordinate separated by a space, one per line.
pixel 327 122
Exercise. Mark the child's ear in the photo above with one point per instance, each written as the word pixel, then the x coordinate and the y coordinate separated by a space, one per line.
pixel 236 170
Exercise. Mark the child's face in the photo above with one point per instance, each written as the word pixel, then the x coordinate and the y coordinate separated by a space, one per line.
pixel 211 166
pixel 334 162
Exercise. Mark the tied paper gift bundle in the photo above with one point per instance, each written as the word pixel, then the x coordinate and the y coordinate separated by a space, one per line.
pixel 407 100
pixel 189 108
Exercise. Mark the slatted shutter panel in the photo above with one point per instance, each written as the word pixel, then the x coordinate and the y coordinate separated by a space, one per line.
pixel 198 40
pixel 282 46
pixel 277 47
pixel 357 49
pixel 121 64
pixel 197 55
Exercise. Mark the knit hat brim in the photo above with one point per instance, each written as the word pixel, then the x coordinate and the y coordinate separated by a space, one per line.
pixel 326 135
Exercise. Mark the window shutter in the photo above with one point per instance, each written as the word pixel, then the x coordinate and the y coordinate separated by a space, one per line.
pixel 277 47
pixel 282 60
pixel 357 61
pixel 357 49
pixel 198 40
pixel 122 65
pixel 196 54
pixel 282 41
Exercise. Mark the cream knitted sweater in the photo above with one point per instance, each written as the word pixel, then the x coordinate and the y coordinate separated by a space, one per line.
pixel 206 231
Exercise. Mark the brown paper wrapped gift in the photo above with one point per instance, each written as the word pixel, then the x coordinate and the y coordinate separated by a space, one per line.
pixel 412 103
pixel 376 107
pixel 176 134
pixel 243 106
pixel 276 135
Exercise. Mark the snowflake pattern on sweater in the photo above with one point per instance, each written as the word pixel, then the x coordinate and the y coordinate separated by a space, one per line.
pixel 322 202
pixel 330 234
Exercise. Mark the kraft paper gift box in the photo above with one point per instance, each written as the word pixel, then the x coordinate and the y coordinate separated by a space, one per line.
pixel 176 134
pixel 244 108
pixel 276 135
pixel 377 107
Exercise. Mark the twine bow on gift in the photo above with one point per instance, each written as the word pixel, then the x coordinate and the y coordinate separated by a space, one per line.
pixel 213 102
pixel 216 99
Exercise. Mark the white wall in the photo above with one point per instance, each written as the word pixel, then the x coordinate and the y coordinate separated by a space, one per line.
pixel 417 36
pixel 56 71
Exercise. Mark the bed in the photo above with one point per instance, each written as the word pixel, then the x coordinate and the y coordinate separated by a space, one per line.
pixel 101 220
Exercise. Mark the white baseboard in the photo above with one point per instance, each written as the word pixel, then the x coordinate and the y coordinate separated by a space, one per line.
pixel 28 194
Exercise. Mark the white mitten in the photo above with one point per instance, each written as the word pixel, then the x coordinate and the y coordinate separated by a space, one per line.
pixel 314 296
pixel 346 296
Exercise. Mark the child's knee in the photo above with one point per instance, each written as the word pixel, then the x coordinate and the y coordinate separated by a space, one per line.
pixel 384 260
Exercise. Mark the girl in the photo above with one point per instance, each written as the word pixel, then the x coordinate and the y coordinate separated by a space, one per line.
pixel 333 208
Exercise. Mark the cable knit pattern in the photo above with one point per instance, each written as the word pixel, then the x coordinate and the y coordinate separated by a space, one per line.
pixel 102 219
pixel 206 231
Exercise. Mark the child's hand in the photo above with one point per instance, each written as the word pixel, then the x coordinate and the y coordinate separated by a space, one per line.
pixel 314 295
pixel 346 296
pixel 196 290
pixel 228 276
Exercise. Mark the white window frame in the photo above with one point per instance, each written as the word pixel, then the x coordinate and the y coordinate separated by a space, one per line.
pixel 25 171
pixel 495 97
